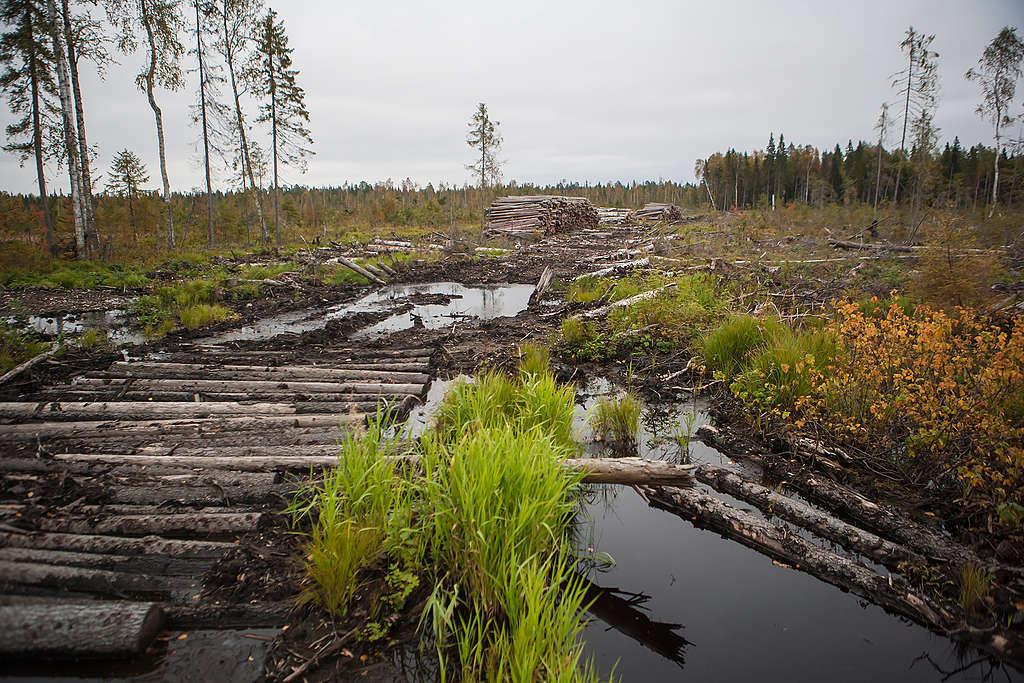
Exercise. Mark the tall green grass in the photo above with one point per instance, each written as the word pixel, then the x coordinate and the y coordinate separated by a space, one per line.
pixel 484 517
pixel 617 421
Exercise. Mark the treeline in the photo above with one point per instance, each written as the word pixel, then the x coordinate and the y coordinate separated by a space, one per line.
pixel 784 173
pixel 247 105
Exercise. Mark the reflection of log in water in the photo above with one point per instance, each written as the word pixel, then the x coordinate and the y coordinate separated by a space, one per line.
pixel 621 611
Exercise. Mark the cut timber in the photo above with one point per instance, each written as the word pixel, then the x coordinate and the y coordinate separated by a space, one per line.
pixel 376 271
pixel 778 543
pixel 542 285
pixel 212 616
pixel 132 564
pixel 108 429
pixel 387 269
pixel 145 410
pixel 187 524
pixel 86 580
pixel 598 470
pixel 801 514
pixel 642 296
pixel 304 402
pixel 71 631
pixel 258 372
pixel 198 495
pixel 148 545
pixel 200 385
pixel 360 270
pixel 240 451
pixel 843 244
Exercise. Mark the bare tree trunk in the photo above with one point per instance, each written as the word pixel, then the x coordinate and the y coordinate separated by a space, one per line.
pixel 244 149
pixel 92 242
pixel 70 144
pixel 878 178
pixel 158 115
pixel 206 133
pixel 37 141
pixel 277 191
pixel 995 169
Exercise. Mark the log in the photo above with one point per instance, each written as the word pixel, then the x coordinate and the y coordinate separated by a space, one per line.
pixel 207 616
pixel 844 244
pixel 187 524
pixel 27 365
pixel 98 581
pixel 304 402
pixel 131 564
pixel 199 385
pixel 542 285
pixel 147 545
pixel 615 268
pixel 108 429
pixel 272 372
pixel 145 410
pixel 376 271
pixel 799 513
pixel 780 544
pixel 110 630
pixel 359 269
pixel 387 269
pixel 630 471
pixel 199 495
pixel 642 296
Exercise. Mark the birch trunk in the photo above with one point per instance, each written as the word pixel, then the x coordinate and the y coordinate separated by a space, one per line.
pixel 277 192
pixel 70 143
pixel 158 115
pixel 92 245
pixel 995 169
pixel 206 133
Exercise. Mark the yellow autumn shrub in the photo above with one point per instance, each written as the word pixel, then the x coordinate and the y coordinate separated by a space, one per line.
pixel 936 396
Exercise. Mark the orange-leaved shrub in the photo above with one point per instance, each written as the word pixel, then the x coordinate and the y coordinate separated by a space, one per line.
pixel 935 396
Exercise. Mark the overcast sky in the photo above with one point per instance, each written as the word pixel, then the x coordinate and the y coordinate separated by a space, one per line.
pixel 586 91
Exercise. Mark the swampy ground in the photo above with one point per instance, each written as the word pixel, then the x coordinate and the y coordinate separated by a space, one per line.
pixel 672 599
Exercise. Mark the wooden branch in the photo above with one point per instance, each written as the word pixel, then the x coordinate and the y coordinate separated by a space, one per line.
pixel 27 365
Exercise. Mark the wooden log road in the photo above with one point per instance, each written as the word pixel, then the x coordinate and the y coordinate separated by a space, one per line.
pixel 124 488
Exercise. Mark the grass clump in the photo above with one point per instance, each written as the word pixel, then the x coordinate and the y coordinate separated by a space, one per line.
pixel 203 314
pixel 484 519
pixel 974 583
pixel 94 340
pixel 779 371
pixel 616 421
pixel 726 347
pixel 534 360
pixel 16 347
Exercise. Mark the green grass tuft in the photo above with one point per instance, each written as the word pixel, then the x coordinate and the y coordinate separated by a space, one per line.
pixel 617 421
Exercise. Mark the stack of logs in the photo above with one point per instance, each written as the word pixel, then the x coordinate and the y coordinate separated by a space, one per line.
pixel 666 213
pixel 524 215
pixel 609 215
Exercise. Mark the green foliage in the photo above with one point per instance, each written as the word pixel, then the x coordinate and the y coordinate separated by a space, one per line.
pixel 588 289
pixel 94 340
pixel 74 275
pixel 16 347
pixel 617 421
pixel 534 360
pixel 583 341
pixel 778 373
pixel 726 347
pixel 203 314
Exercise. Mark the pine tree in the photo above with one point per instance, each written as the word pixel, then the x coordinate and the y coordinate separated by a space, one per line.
pixel 127 174
pixel 283 107
pixel 27 79
pixel 483 135
pixel 998 71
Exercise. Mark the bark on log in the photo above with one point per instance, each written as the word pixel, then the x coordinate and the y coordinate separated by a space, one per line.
pixel 643 296
pixel 304 402
pixel 265 372
pixel 98 581
pixel 359 269
pixel 778 543
pixel 199 495
pixel 542 285
pixel 200 385
pixel 150 565
pixel 71 631
pixel 147 545
pixel 615 268
pixel 147 410
pixel 148 428
pixel 27 365
pixel 844 244
pixel 376 271
pixel 206 616
pixel 774 504
pixel 189 525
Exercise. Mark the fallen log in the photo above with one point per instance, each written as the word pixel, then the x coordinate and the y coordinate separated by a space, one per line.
pixel 200 385
pixel 146 410
pixel 273 372
pixel 188 524
pixel 642 296
pixel 27 365
pixel 207 616
pixel 352 265
pixel 774 504
pixel 376 271
pixel 111 630
pixel 844 244
pixel 109 429
pixel 147 545
pixel 98 581
pixel 777 542
pixel 151 565
pixel 614 268
pixel 304 402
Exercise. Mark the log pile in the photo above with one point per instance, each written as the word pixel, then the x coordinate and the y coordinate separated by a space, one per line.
pixel 665 213
pixel 546 214
pixel 609 215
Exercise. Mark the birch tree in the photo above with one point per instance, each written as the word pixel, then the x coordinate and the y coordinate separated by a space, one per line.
pixel 997 73
pixel 27 80
pixel 283 105
pixel 162 22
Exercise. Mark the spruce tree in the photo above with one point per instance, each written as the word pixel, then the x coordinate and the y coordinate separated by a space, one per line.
pixel 483 135
pixel 127 174
pixel 283 106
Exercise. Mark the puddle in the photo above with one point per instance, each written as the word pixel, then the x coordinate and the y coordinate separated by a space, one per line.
pixel 448 303
pixel 114 322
